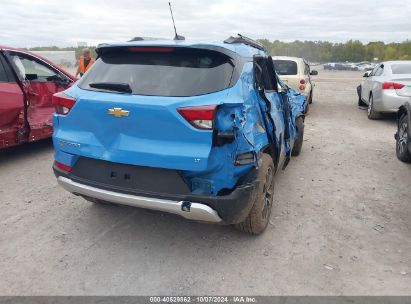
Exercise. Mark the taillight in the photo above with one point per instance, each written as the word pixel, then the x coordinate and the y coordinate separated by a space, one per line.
pixel 200 117
pixel 63 103
pixel 302 81
pixel 302 87
pixel 63 166
pixel 392 86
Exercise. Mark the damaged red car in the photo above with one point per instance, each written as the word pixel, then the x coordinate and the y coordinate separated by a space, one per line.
pixel 27 83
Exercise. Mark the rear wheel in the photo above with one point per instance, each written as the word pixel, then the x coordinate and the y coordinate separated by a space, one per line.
pixel 298 144
pixel 259 216
pixel 372 114
pixel 403 153
pixel 310 99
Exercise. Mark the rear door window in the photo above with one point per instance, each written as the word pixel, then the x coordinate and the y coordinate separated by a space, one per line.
pixel 401 68
pixel 3 75
pixel 306 70
pixel 165 72
pixel 285 67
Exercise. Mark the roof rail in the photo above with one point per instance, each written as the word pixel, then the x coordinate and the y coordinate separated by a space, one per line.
pixel 245 40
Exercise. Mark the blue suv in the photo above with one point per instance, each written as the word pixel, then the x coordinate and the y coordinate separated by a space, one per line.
pixel 193 129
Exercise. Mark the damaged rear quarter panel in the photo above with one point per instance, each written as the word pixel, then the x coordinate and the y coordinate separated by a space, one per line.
pixel 298 106
pixel 298 103
pixel 239 114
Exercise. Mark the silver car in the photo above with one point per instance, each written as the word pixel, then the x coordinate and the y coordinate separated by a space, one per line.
pixel 386 88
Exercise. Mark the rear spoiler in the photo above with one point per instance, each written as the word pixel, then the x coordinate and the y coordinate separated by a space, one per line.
pixel 106 46
pixel 245 40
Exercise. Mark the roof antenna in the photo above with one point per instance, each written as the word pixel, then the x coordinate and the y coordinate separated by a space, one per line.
pixel 176 37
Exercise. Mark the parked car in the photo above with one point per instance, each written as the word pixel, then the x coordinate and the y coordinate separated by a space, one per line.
pixel 27 84
pixel 349 66
pixel 365 66
pixel 296 73
pixel 385 88
pixel 193 129
pixel 403 135
pixel 329 66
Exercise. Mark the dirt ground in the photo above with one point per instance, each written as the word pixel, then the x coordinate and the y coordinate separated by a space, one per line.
pixel 341 225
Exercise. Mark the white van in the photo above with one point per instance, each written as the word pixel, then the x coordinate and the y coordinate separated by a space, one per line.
pixel 296 73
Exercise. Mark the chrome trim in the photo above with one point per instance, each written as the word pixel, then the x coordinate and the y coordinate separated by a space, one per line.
pixel 196 212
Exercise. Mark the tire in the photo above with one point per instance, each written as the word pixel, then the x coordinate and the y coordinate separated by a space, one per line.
pixel 257 220
pixel 401 146
pixel 360 102
pixel 310 100
pixel 307 108
pixel 371 113
pixel 298 144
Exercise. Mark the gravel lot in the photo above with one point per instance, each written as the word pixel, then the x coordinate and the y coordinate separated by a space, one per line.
pixel 342 223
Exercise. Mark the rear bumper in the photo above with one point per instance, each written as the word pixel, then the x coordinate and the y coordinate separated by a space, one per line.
pixel 390 102
pixel 188 210
pixel 225 209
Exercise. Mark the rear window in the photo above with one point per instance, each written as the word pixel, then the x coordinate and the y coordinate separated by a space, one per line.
pixel 401 68
pixel 285 67
pixel 179 72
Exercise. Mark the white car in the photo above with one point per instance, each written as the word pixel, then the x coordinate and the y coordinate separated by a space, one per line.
pixel 296 73
pixel 365 66
pixel 386 88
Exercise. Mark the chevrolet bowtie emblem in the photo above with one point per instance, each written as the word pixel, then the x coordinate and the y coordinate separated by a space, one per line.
pixel 118 112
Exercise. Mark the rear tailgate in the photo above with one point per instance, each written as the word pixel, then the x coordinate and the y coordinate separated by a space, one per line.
pixel 143 127
pixel 153 134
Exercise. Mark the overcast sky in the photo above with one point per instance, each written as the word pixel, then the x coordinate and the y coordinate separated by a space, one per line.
pixel 28 23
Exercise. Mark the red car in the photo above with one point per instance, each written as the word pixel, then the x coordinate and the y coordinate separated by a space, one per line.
pixel 27 83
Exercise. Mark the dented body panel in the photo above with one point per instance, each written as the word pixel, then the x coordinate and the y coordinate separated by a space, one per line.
pixel 25 97
pixel 216 165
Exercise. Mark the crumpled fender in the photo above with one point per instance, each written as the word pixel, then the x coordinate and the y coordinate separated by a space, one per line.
pixel 298 103
pixel 239 114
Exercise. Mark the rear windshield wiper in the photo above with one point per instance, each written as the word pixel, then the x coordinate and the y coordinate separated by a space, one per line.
pixel 112 86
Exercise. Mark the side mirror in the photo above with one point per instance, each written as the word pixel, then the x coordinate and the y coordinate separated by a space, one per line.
pixel 31 77
pixel 314 73
pixel 367 74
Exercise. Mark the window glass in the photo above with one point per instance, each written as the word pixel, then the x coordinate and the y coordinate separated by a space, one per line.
pixel 379 71
pixel 185 72
pixel 307 70
pixel 374 70
pixel 31 69
pixel 285 67
pixel 401 68
pixel 3 75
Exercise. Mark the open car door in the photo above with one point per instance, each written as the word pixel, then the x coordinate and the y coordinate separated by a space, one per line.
pixel 276 107
pixel 12 116
pixel 40 81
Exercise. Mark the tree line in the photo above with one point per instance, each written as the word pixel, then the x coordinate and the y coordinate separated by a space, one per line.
pixel 314 51
pixel 352 50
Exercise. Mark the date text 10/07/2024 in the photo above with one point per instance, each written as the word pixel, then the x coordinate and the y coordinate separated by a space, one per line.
pixel 203 299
